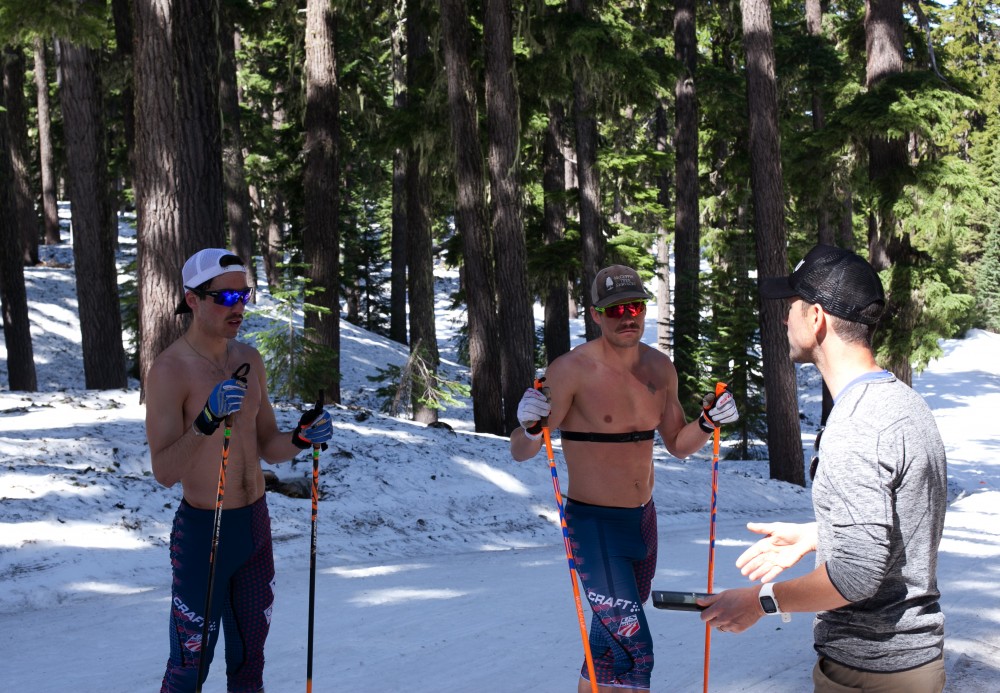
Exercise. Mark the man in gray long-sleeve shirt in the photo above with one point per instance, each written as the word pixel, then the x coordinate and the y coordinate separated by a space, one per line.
pixel 879 496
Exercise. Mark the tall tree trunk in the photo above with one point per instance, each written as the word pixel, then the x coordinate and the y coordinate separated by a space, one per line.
pixel 273 204
pixel 420 282
pixel 814 26
pixel 397 250
pixel 17 133
pixel 557 340
pixel 419 238
pixel 160 251
pixel 887 159
pixel 234 179
pixel 588 177
pixel 94 233
pixel 321 237
pixel 664 184
pixel 470 218
pixel 784 439
pixel 13 295
pixel 687 234
pixel 178 169
pixel 272 236
pixel 121 11
pixel 196 58
pixel 517 339
pixel 46 159
pixel 825 231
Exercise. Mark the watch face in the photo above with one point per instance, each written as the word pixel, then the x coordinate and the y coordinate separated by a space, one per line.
pixel 767 603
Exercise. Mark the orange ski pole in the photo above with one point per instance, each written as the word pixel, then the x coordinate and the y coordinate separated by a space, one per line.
pixel 240 375
pixel 719 389
pixel 569 550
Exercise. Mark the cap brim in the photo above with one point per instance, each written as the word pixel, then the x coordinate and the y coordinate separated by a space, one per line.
pixel 621 297
pixel 777 287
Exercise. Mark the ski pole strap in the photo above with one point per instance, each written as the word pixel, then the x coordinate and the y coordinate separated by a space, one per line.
pixel 241 373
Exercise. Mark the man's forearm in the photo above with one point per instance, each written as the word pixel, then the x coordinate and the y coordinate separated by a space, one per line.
pixel 811 592
pixel 522 447
pixel 689 440
pixel 171 464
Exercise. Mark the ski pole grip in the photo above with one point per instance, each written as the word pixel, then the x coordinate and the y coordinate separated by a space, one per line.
pixel 539 385
pixel 709 400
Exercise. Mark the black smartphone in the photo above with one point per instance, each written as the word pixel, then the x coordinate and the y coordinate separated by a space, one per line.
pixel 681 601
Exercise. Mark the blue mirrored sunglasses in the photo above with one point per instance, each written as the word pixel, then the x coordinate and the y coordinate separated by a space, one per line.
pixel 225 297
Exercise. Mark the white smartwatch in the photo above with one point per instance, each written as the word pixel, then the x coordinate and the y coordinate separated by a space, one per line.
pixel 769 603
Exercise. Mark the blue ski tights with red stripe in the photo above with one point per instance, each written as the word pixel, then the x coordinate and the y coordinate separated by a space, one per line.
pixel 615 554
pixel 242 598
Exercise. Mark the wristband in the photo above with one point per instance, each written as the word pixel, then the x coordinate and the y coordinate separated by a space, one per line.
pixel 206 424
pixel 705 423
pixel 302 443
pixel 533 433
pixel 298 441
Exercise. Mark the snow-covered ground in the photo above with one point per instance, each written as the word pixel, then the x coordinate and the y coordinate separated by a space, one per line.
pixel 441 562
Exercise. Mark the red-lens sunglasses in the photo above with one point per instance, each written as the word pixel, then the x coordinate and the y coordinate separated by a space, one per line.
pixel 618 310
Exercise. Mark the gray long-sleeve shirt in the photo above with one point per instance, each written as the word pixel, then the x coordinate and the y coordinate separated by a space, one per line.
pixel 879 496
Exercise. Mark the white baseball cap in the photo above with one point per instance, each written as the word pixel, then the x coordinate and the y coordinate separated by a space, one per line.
pixel 206 265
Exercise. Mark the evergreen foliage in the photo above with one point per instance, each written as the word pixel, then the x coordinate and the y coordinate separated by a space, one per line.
pixel 417 382
pixel 293 360
pixel 730 349
pixel 988 281
pixel 83 22
pixel 945 104
pixel 364 273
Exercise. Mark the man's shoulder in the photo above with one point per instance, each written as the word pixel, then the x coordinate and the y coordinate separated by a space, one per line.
pixel 568 366
pixel 169 359
pixel 246 351
pixel 652 353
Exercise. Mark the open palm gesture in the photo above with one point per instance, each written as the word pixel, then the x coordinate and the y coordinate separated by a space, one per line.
pixel 783 546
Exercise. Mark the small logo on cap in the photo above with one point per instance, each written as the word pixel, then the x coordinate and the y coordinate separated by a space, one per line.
pixel 609 284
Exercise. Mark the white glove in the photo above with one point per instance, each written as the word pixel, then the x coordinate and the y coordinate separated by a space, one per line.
pixel 532 408
pixel 722 411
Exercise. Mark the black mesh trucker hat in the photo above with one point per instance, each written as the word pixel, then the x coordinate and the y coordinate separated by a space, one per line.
pixel 843 283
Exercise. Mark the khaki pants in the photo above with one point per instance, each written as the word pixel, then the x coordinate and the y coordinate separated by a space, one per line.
pixel 830 677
